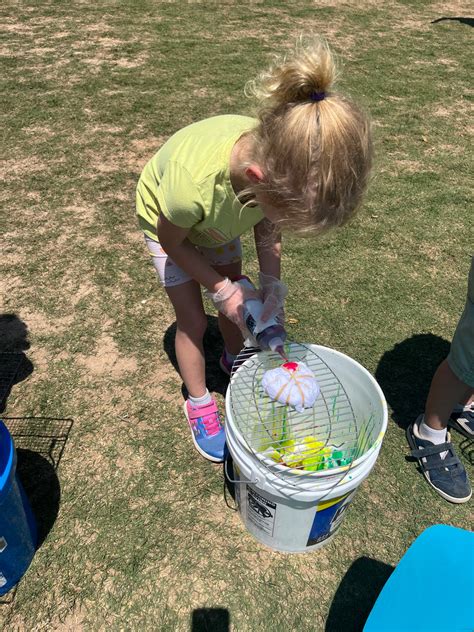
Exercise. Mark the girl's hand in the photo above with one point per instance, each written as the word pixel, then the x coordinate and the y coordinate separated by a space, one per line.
pixel 229 300
pixel 272 294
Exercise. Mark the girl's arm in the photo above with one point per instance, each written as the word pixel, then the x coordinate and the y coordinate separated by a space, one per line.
pixel 268 245
pixel 273 291
pixel 228 297
pixel 174 241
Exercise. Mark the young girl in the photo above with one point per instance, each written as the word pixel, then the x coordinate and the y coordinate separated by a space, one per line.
pixel 303 164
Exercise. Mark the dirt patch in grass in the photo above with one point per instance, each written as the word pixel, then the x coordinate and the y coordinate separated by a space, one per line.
pixel 42 131
pixel 73 622
pixel 82 215
pixel 410 166
pixel 43 324
pixel 119 159
pixel 17 167
pixel 81 292
pixel 107 361
pixel 451 7
pixel 164 385
pixel 460 108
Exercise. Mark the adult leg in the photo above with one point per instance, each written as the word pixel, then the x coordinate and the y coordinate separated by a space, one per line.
pixel 452 383
pixel 461 362
pixel 445 392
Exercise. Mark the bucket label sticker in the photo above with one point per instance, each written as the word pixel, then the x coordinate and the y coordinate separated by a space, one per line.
pixel 3 579
pixel 3 544
pixel 260 511
pixel 328 518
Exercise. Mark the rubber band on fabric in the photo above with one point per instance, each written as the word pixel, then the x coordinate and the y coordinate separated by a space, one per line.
pixel 223 292
pixel 292 384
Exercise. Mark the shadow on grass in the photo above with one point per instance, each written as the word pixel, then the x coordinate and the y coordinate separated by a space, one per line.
pixel 39 450
pixel 216 380
pixel 405 373
pixel 229 481
pixel 467 450
pixel 357 594
pixel 210 620
pixel 461 20
pixel 42 489
pixel 15 366
pixel 39 441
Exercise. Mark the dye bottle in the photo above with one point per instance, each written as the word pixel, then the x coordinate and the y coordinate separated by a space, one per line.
pixel 272 335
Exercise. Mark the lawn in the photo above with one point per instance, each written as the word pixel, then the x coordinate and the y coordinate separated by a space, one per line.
pixel 136 532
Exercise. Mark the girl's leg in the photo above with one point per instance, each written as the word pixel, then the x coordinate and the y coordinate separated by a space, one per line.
pixel 207 430
pixel 227 261
pixel 185 296
pixel 191 325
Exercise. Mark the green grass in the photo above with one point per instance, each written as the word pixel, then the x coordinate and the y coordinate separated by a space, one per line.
pixel 143 536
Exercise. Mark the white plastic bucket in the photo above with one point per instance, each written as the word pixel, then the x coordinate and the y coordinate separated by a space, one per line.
pixel 296 512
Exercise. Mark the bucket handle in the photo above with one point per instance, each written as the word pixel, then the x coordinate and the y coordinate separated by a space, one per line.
pixel 231 480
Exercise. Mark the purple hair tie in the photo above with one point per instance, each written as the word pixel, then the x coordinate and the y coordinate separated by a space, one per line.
pixel 317 96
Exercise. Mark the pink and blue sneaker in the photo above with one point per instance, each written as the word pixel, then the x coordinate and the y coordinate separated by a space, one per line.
pixel 207 430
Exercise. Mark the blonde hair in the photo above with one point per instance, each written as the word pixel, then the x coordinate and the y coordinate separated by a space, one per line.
pixel 312 144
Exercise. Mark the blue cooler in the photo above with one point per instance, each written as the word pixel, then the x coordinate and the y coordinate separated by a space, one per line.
pixel 17 524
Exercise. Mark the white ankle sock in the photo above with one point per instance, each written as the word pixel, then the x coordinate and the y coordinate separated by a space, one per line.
pixel 201 401
pixel 430 434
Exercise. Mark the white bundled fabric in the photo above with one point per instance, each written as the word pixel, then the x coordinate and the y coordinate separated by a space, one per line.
pixel 292 384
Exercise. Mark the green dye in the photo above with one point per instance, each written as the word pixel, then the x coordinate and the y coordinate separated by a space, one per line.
pixel 281 443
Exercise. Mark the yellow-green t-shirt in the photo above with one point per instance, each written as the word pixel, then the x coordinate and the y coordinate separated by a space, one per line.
pixel 188 180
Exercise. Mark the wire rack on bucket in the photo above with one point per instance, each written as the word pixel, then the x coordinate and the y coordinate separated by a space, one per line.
pixel 325 437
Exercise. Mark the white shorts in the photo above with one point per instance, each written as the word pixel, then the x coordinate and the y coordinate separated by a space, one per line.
pixel 171 274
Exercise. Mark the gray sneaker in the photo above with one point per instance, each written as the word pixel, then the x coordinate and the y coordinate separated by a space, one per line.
pixel 447 476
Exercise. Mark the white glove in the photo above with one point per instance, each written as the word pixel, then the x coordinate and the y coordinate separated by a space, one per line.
pixel 272 293
pixel 229 300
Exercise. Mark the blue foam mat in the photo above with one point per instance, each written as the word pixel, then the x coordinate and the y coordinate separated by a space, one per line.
pixel 432 588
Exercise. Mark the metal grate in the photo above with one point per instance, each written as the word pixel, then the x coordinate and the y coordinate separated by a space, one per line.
pixel 324 437
pixel 45 435
pixel 40 443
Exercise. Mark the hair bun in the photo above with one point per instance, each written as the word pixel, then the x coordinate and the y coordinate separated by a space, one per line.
pixel 308 70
